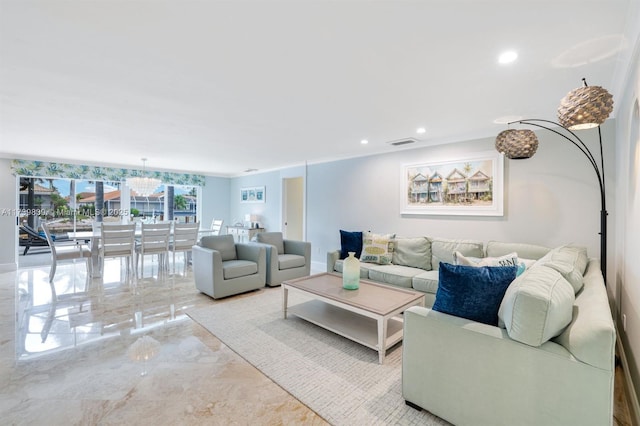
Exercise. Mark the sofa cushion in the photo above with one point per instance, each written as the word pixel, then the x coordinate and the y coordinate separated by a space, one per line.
pixel 377 248
pixel 537 306
pixel 473 292
pixel 510 259
pixel 426 282
pixel 288 261
pixel 414 252
pixel 222 243
pixel 238 268
pixel 364 268
pixel 273 238
pixel 526 251
pixel 442 250
pixel 397 275
pixel 350 241
pixel 570 261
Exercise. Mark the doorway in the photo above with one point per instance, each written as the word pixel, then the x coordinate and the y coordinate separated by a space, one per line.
pixel 293 208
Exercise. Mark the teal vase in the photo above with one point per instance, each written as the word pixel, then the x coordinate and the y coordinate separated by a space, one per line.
pixel 351 272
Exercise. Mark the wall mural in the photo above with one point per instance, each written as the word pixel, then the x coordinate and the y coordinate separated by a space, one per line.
pixel 469 185
pixel 77 171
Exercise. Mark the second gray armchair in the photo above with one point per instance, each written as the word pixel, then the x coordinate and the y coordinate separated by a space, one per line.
pixel 286 259
pixel 223 268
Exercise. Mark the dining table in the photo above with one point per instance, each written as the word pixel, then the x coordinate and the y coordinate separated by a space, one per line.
pixel 93 239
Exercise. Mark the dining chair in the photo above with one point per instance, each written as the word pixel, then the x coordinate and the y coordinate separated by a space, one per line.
pixel 69 250
pixel 117 241
pixel 154 240
pixel 185 236
pixel 216 226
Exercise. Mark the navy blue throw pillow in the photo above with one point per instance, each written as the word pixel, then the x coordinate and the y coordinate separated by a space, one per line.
pixel 473 292
pixel 350 241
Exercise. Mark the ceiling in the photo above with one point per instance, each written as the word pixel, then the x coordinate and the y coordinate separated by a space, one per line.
pixel 219 87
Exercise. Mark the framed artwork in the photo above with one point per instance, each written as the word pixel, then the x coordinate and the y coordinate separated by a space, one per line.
pixel 254 194
pixel 467 185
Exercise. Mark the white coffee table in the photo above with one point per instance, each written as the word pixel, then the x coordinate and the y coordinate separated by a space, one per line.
pixel 368 316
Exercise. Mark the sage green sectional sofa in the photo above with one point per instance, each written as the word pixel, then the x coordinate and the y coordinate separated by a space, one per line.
pixel 550 359
pixel 415 260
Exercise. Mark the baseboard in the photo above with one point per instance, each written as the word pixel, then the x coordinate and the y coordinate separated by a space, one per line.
pixel 8 267
pixel 317 267
pixel 632 397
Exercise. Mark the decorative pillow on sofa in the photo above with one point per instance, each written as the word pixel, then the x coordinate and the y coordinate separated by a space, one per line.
pixel 510 259
pixel 473 292
pixel 537 306
pixel 350 241
pixel 414 252
pixel 377 248
pixel 570 261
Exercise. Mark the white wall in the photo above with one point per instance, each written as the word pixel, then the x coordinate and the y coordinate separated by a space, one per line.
pixel 269 212
pixel 214 201
pixel 550 199
pixel 626 286
pixel 8 228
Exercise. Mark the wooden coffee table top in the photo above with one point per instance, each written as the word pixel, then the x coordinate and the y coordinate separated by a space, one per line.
pixel 377 298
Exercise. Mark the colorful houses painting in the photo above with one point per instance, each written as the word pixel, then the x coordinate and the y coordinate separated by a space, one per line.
pixel 464 184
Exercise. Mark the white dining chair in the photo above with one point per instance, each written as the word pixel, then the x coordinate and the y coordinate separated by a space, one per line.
pixel 216 226
pixel 185 236
pixel 117 241
pixel 68 250
pixel 154 239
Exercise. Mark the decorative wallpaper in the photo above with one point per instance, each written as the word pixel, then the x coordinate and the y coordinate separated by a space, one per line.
pixel 75 171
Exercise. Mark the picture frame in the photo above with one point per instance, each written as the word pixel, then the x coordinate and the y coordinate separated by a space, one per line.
pixel 470 185
pixel 254 194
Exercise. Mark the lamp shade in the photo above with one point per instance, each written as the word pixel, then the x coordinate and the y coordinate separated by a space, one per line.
pixel 585 107
pixel 517 144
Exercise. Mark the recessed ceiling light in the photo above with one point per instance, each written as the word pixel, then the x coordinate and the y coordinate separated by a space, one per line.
pixel 364 141
pixel 421 130
pixel 507 57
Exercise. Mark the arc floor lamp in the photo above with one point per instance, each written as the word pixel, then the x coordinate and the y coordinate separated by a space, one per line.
pixel 583 108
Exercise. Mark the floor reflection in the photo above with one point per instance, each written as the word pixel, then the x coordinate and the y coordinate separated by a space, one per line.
pixel 66 355
pixel 75 309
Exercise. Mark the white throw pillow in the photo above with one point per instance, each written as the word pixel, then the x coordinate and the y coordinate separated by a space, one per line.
pixel 510 259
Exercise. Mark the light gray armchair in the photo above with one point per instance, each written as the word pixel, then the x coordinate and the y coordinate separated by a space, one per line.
pixel 286 259
pixel 223 268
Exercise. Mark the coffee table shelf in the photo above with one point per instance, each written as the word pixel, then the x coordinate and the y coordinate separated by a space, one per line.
pixel 369 316
pixel 360 329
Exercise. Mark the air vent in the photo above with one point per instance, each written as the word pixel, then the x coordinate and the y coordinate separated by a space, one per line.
pixel 401 142
pixel 250 170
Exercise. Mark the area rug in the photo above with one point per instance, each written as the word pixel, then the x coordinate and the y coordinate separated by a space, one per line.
pixel 338 379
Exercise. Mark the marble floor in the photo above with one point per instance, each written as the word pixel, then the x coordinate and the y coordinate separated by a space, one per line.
pixel 69 354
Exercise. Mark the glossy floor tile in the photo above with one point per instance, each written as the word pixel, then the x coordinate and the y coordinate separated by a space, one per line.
pixel 69 354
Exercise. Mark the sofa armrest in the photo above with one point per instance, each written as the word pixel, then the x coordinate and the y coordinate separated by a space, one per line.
pixel 450 362
pixel 332 256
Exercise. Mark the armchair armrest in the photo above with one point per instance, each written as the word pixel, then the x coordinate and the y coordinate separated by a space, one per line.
pixel 207 264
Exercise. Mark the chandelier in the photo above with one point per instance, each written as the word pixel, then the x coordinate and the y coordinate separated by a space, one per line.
pixel 142 185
